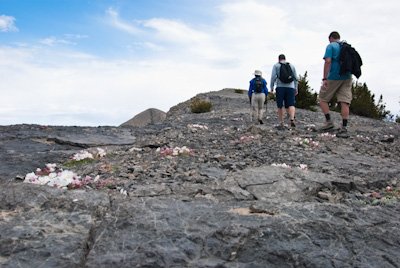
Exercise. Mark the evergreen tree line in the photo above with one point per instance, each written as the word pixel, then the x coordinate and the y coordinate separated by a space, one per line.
pixel 363 102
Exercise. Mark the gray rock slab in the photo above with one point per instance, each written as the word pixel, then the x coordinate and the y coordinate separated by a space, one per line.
pixel 51 230
pixel 103 229
pixel 23 148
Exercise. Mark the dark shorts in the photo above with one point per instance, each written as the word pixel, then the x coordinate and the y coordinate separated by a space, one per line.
pixel 285 94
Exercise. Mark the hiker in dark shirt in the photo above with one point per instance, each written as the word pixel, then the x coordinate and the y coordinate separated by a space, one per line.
pixel 258 91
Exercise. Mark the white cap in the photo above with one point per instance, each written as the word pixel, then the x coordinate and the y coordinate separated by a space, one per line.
pixel 257 72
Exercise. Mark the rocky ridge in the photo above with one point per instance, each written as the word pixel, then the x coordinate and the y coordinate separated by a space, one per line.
pixel 150 116
pixel 224 205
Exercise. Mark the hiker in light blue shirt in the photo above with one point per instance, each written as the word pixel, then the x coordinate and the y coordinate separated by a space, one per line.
pixel 332 51
pixel 285 91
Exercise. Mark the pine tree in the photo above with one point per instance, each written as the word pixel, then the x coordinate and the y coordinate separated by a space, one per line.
pixel 381 111
pixel 363 103
pixel 305 99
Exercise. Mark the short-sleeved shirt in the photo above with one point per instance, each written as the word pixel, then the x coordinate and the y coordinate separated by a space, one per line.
pixel 332 51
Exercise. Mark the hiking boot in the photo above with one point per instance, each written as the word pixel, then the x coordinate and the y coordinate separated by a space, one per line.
pixel 261 122
pixel 292 124
pixel 329 125
pixel 280 126
pixel 342 133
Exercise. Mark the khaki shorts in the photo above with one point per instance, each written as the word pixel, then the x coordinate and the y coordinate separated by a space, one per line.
pixel 342 88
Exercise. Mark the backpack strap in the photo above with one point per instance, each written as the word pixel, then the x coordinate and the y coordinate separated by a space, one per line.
pixel 278 70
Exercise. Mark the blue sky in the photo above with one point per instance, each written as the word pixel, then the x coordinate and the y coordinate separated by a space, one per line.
pixel 98 62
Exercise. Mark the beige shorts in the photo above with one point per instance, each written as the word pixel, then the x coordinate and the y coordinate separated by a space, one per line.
pixel 342 88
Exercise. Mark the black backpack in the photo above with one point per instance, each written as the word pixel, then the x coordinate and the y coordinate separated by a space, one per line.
pixel 258 85
pixel 286 73
pixel 349 60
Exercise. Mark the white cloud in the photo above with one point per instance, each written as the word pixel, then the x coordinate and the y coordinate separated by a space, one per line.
pixel 149 45
pixel 173 60
pixel 76 36
pixel 256 21
pixel 7 24
pixel 115 21
pixel 176 32
pixel 106 92
pixel 79 55
pixel 50 41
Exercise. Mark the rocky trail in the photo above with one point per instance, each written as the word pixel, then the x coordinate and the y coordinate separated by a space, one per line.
pixel 243 195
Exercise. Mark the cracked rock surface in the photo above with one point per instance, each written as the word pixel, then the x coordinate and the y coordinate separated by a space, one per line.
pixel 224 205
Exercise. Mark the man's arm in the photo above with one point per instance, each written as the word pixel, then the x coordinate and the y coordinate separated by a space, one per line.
pixel 327 66
pixel 265 87
pixel 273 79
pixel 296 83
pixel 250 91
